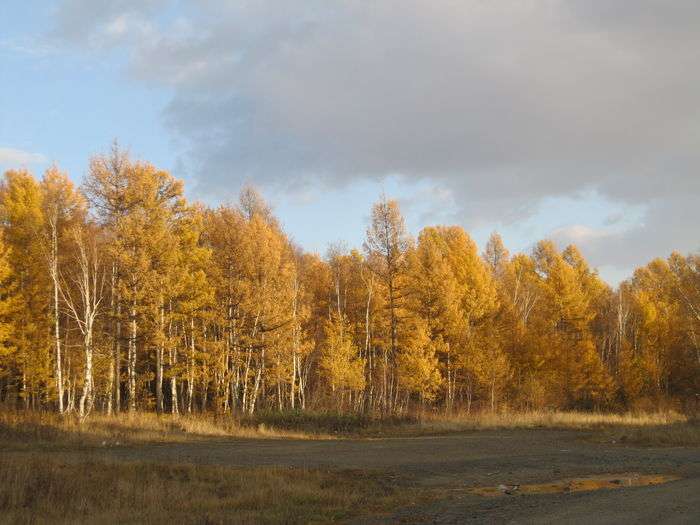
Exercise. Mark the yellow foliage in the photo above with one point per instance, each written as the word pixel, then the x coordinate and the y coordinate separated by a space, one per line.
pixel 340 363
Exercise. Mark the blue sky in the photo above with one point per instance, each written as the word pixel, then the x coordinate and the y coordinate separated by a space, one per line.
pixel 574 122
pixel 65 104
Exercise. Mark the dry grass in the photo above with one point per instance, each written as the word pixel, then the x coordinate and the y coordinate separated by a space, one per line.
pixel 547 419
pixel 675 435
pixel 647 429
pixel 43 480
pixel 42 489
pixel 29 430
pixel 37 428
pixel 353 425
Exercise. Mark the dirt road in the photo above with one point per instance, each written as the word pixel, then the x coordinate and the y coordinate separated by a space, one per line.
pixel 452 464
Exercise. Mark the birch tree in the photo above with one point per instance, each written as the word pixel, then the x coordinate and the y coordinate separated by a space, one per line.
pixel 64 210
pixel 83 292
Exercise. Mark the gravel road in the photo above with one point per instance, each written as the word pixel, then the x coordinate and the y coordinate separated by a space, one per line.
pixel 451 464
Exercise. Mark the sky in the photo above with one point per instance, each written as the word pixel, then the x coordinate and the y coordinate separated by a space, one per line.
pixel 572 120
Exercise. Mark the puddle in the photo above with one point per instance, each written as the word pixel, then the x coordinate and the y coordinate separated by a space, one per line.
pixel 585 484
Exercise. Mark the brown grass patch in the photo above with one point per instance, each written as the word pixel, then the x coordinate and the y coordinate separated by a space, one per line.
pixel 32 428
pixel 353 425
pixel 682 434
pixel 42 489
pixel 647 429
pixel 549 419
pixel 637 428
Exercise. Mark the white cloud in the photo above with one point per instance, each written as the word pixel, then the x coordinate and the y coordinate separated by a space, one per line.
pixel 579 233
pixel 17 158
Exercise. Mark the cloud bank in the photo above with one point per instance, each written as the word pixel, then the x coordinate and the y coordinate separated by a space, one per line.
pixel 501 104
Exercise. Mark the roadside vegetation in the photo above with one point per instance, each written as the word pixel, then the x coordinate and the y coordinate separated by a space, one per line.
pixel 30 429
pixel 43 489
pixel 679 434
pixel 643 428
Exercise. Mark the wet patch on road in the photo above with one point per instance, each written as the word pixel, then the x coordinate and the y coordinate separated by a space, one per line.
pixel 582 484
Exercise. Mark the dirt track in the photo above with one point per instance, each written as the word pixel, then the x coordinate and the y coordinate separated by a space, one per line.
pixel 455 462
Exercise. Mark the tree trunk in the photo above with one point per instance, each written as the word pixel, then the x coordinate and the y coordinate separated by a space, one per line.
pixel 86 400
pixel 368 373
pixel 57 324
pixel 257 381
pixel 159 364
pixel 118 361
pixel 190 378
pixel 132 361
pixel 113 370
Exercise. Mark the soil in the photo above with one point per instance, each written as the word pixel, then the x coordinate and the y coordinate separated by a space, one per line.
pixel 450 467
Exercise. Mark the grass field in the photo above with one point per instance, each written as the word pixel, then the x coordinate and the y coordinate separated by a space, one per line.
pixel 59 469
pixel 45 489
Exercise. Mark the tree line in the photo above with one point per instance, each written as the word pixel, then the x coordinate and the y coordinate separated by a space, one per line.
pixel 121 296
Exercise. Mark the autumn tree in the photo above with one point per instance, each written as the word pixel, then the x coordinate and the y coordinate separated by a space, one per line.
pixel 139 206
pixel 21 207
pixel 64 212
pixel 564 317
pixel 454 292
pixel 7 325
pixel 340 363
pixel 83 292
pixel 417 363
pixel 386 245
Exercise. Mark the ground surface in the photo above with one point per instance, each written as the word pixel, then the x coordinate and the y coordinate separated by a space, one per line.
pixel 446 466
